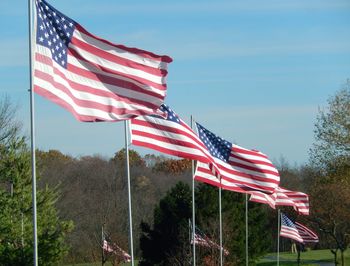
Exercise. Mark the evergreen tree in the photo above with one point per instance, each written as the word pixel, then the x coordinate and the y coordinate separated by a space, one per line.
pixel 16 231
pixel 168 242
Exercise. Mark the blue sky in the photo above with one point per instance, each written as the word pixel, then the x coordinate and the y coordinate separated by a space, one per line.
pixel 254 72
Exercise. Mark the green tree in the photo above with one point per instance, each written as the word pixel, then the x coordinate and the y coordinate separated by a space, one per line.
pixel 16 232
pixel 167 243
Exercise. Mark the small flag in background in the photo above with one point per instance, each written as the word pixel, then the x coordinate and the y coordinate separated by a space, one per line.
pixel 289 230
pixel 284 197
pixel 240 168
pixel 107 247
pixel 201 239
pixel 114 248
pixel 125 256
pixel 169 135
pixel 296 231
pixel 92 78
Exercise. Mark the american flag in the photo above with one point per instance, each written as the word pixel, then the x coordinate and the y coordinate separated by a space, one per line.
pixel 284 197
pixel 169 135
pixel 125 256
pixel 239 169
pixel 201 239
pixel 107 247
pixel 92 78
pixel 306 234
pixel 289 230
pixel 114 248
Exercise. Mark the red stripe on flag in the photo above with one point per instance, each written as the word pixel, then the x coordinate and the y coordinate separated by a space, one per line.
pixel 146 54
pixel 116 59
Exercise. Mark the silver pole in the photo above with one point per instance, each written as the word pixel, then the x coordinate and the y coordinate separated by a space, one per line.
pixel 220 221
pixel 193 210
pixel 32 133
pixel 246 230
pixel 278 235
pixel 129 189
pixel 190 235
pixel 102 244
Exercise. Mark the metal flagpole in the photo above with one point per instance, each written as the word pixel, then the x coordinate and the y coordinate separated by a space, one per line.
pixel 220 221
pixel 190 235
pixel 246 230
pixel 278 235
pixel 129 189
pixel 102 238
pixel 193 210
pixel 32 133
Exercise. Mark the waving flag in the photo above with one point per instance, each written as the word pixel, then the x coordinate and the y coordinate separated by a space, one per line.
pixel 114 248
pixel 200 239
pixel 125 256
pixel 240 169
pixel 289 230
pixel 92 78
pixel 306 234
pixel 169 135
pixel 107 247
pixel 283 197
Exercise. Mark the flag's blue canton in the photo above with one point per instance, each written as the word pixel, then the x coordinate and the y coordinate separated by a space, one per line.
pixel 287 222
pixel 170 114
pixel 54 31
pixel 217 146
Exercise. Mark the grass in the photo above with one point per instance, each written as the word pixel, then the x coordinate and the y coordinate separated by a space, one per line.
pixel 308 258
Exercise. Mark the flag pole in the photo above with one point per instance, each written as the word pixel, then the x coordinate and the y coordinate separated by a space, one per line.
pixel 102 238
pixel 190 236
pixel 278 235
pixel 32 132
pixel 129 189
pixel 246 230
pixel 220 221
pixel 193 210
